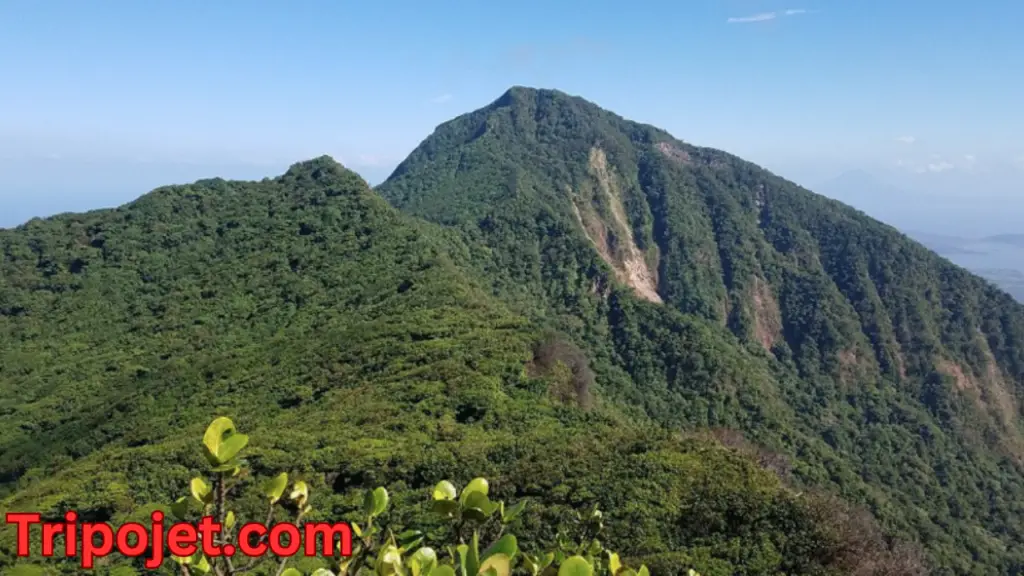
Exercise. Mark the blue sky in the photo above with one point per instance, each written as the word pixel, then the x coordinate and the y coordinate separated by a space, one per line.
pixel 106 99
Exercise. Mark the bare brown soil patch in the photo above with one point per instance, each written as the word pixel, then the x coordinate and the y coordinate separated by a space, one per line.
pixel 767 318
pixel 623 255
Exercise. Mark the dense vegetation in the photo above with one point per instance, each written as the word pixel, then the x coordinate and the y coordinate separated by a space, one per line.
pixel 582 309
pixel 886 372
pixel 359 350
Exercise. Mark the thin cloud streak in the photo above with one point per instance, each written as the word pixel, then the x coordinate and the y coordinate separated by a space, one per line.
pixel 755 18
pixel 441 99
pixel 766 16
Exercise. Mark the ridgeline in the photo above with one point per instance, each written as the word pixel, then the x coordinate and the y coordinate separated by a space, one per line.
pixel 747 377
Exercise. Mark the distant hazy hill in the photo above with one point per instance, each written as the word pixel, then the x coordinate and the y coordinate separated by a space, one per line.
pixel 1011 239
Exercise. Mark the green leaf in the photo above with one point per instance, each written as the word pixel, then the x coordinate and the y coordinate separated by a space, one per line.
pixel 200 564
pixel 322 572
pixel 180 508
pixel 463 552
pixel 389 562
pixel 531 564
pixel 477 485
pixel 478 507
pixel 229 520
pixel 443 570
pixel 613 563
pixel 500 564
pixel 300 492
pixel 409 536
pixel 222 442
pixel 473 555
pixel 380 501
pixel 446 508
pixel 474 514
pixel 232 446
pixel 275 487
pixel 368 504
pixel 200 490
pixel 409 539
pixel 575 566
pixel 291 572
pixel 513 512
pixel 444 490
pixel 506 545
pixel 423 561
pixel 643 571
pixel 227 467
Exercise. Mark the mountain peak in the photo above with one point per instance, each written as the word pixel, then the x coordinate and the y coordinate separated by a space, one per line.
pixel 519 92
pixel 316 167
pixel 545 99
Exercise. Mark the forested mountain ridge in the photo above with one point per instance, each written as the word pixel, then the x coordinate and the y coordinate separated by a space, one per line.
pixel 900 372
pixel 360 348
pixel 571 304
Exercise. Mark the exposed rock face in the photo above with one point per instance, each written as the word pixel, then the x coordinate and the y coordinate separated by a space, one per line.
pixel 603 218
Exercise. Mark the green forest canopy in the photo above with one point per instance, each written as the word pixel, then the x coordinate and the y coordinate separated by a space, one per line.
pixel 578 307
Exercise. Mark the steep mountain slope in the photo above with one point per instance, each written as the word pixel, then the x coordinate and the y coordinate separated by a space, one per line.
pixel 356 346
pixel 886 371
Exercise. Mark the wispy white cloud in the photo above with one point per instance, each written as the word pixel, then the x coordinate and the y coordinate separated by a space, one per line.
pixel 765 16
pixel 906 139
pixel 441 99
pixel 755 18
pixel 940 166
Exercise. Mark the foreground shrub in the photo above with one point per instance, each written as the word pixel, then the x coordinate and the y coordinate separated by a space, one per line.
pixel 376 550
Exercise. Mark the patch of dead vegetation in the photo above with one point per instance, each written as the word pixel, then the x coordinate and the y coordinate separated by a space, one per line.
pixel 674 152
pixel 775 462
pixel 848 364
pixel 856 364
pixel 954 371
pixel 996 390
pixel 567 368
pixel 857 544
pixel 901 363
pixel 994 397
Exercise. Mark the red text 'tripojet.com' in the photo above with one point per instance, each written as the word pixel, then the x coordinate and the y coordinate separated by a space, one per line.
pixel 91 540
